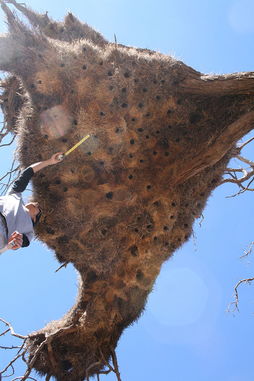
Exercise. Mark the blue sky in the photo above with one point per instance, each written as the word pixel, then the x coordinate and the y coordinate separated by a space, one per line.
pixel 185 332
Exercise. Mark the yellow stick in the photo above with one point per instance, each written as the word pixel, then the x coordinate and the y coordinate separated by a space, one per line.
pixel 76 145
pixel 62 156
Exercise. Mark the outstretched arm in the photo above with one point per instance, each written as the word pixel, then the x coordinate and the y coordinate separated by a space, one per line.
pixel 21 183
pixel 42 164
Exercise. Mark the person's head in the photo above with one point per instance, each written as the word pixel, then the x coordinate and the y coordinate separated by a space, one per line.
pixel 34 211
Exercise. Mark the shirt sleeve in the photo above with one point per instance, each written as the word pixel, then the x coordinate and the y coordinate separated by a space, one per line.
pixel 27 238
pixel 26 241
pixel 21 183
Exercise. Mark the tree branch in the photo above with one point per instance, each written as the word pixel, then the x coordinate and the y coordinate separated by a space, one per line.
pixel 13 333
pixel 8 144
pixel 235 303
pixel 236 83
pixel 216 149
pixel 247 173
pixel 115 363
pixel 248 251
pixel 114 368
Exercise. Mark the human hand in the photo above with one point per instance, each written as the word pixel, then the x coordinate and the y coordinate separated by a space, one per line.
pixel 56 158
pixel 17 239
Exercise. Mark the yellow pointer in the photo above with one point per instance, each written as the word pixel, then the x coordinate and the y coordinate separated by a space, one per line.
pixel 74 147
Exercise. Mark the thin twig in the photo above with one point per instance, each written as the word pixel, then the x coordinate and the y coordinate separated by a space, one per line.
pixel 105 371
pixel 63 265
pixel 228 170
pixel 12 347
pixel 4 333
pixel 243 189
pixel 11 374
pixel 8 144
pixel 21 378
pixel 247 173
pixel 201 220
pixel 115 363
pixel 106 362
pixel 21 351
pixel 115 367
pixel 236 295
pixel 10 172
pixel 235 180
pixel 11 362
pixel 248 251
pixel 246 161
pixel 13 333
pixel 3 134
pixel 245 144
pixel 97 363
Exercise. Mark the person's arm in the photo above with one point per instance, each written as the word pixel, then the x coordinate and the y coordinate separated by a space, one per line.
pixel 42 164
pixel 21 183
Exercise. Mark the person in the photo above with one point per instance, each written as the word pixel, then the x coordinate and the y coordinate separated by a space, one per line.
pixel 17 220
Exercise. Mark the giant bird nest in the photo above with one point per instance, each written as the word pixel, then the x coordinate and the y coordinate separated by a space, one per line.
pixel 119 206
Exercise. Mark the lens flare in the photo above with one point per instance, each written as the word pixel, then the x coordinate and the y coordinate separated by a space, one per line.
pixel 241 16
pixel 182 303
pixel 55 122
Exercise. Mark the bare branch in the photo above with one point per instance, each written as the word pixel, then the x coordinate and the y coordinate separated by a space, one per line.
pixel 242 179
pixel 106 362
pixel 21 378
pixel 11 374
pixel 247 173
pixel 248 251
pixel 201 220
pixel 207 156
pixel 12 347
pixel 4 333
pixel 115 367
pixel 13 333
pixel 240 83
pixel 115 363
pixel 244 160
pixel 234 305
pixel 105 371
pixel 63 265
pixel 228 170
pixel 97 363
pixel 9 173
pixel 243 189
pixel 245 144
pixel 11 363
pixel 21 349
pixel 8 144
